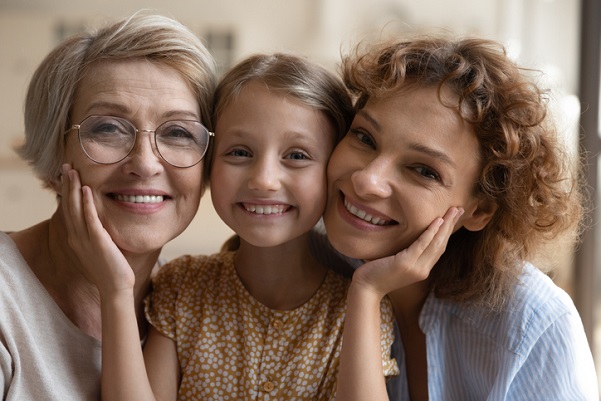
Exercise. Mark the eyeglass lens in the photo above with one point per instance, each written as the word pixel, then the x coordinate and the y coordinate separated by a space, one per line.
pixel 107 140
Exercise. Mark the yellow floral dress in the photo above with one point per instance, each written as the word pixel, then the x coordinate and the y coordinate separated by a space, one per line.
pixel 232 347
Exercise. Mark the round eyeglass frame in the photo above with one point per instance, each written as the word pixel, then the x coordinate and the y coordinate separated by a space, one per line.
pixel 136 131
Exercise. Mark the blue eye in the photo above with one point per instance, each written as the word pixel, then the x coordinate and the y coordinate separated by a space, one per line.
pixel 239 153
pixel 298 155
pixel 176 132
pixel 176 137
pixel 106 131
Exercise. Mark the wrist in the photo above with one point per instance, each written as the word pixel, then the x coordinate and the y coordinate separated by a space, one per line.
pixel 114 297
pixel 366 292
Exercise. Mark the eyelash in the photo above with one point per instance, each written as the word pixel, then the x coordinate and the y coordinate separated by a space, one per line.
pixel 427 172
pixel 237 152
pixel 361 136
pixel 304 155
pixel 293 155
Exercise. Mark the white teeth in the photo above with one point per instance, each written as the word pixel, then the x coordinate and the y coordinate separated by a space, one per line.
pixel 265 209
pixel 140 198
pixel 363 215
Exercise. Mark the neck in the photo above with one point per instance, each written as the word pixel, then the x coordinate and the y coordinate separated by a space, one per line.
pixel 282 277
pixel 408 302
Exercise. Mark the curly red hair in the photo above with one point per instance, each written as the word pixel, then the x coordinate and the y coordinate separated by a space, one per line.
pixel 526 172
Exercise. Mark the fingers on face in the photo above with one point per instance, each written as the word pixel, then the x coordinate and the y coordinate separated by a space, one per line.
pixel 72 201
pixel 90 212
pixel 445 229
pixel 433 241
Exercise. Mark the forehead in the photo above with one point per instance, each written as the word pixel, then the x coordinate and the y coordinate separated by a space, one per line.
pixel 130 85
pixel 261 111
pixel 419 109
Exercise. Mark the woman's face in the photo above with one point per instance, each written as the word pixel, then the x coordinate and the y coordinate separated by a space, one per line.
pixel 405 160
pixel 142 201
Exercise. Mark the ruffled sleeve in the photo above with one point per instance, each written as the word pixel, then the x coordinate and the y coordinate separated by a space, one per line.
pixel 161 303
pixel 389 364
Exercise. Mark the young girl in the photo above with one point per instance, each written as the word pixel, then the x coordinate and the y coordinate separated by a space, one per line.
pixel 455 125
pixel 264 321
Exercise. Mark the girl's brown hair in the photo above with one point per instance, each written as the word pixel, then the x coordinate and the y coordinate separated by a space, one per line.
pixel 291 75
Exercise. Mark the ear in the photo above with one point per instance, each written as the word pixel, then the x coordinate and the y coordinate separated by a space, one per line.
pixel 477 216
pixel 55 184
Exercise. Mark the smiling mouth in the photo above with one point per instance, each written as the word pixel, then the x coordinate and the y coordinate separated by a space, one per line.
pixel 265 209
pixel 365 216
pixel 139 198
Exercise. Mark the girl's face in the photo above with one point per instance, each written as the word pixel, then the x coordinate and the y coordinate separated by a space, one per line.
pixel 405 160
pixel 142 201
pixel 268 179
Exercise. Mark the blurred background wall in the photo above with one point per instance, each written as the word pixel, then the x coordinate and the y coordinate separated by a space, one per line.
pixel 232 29
pixel 542 34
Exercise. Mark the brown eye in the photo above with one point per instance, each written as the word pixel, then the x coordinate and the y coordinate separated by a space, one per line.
pixel 427 172
pixel 363 137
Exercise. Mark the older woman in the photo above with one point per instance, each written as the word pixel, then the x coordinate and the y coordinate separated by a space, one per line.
pixel 127 107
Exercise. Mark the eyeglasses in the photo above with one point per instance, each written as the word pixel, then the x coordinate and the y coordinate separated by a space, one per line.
pixel 108 140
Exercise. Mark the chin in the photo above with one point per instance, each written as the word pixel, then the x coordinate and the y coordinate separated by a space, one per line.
pixel 360 250
pixel 347 248
pixel 139 241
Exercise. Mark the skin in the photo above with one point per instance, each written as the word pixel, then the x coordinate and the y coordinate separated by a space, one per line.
pixel 146 94
pixel 408 172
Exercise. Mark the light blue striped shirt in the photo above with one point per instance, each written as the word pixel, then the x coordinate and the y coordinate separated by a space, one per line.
pixel 535 349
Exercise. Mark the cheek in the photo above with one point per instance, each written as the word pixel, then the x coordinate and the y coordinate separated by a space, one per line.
pixel 313 188
pixel 188 183
pixel 336 165
pixel 320 191
pixel 218 183
pixel 194 183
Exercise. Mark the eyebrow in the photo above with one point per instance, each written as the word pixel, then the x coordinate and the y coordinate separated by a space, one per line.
pixel 108 105
pixel 126 110
pixel 172 113
pixel 369 118
pixel 433 153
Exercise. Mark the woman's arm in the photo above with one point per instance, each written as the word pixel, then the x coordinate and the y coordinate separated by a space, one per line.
pixel 360 376
pixel 124 374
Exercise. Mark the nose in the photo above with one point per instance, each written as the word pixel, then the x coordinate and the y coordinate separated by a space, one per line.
pixel 373 180
pixel 144 159
pixel 265 174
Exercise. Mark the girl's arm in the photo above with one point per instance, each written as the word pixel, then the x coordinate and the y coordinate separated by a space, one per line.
pixel 124 374
pixel 360 376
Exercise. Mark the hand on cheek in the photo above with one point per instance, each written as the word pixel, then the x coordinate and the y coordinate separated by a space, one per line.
pixel 413 264
pixel 103 262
